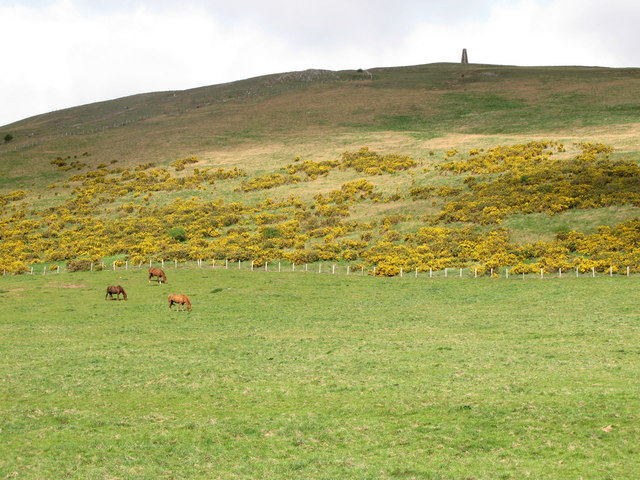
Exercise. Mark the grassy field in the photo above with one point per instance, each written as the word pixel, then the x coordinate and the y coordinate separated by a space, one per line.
pixel 302 376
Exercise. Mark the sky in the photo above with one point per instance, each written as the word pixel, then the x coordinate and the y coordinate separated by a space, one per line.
pixel 63 53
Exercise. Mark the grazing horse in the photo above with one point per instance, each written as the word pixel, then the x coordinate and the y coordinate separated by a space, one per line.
pixel 115 290
pixel 159 274
pixel 179 300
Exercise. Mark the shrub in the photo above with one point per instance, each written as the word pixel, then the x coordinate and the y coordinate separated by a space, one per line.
pixel 421 192
pixel 372 163
pixel 79 265
pixel 180 164
pixel 386 270
pixel 178 233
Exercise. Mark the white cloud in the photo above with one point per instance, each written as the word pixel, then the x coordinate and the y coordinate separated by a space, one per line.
pixel 69 52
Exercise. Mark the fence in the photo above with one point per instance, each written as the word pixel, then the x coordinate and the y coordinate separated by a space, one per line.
pixel 336 269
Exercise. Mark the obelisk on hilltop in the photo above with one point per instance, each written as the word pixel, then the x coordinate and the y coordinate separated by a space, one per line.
pixel 465 59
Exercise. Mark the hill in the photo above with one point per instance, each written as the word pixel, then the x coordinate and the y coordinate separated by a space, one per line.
pixel 264 160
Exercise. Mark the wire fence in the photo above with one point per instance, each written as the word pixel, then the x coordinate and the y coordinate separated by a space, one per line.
pixel 326 268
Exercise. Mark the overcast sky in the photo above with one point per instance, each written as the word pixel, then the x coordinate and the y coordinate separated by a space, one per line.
pixel 62 53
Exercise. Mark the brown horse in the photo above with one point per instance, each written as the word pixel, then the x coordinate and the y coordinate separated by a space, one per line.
pixel 180 301
pixel 159 274
pixel 115 290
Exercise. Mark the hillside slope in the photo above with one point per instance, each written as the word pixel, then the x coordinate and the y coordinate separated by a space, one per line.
pixel 426 101
pixel 260 163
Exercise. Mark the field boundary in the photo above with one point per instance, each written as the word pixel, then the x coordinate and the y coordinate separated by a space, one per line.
pixel 332 268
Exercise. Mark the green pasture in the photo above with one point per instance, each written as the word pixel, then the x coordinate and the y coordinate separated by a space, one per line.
pixel 307 376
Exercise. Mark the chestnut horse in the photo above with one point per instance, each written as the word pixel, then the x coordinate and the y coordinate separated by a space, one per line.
pixel 179 300
pixel 115 290
pixel 159 274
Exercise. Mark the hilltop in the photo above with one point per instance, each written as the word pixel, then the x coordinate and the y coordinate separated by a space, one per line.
pixel 258 152
pixel 283 111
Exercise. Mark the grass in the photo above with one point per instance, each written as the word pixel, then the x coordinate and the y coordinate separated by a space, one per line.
pixel 542 227
pixel 297 375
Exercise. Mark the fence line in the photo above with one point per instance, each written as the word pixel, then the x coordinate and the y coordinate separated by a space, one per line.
pixel 328 268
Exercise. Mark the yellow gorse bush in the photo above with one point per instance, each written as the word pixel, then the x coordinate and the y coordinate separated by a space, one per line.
pixel 88 222
pixel 372 163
